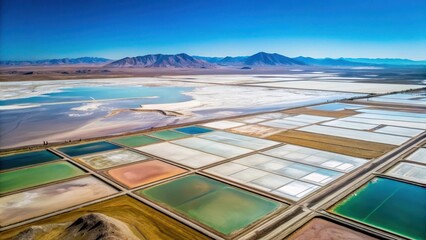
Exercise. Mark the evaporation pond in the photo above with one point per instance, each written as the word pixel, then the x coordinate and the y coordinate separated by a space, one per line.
pixel 34 176
pixel 193 130
pixel 69 94
pixel 112 158
pixel 168 135
pixel 26 159
pixel 136 141
pixel 212 203
pixel 390 205
pixel 138 174
pixel 82 149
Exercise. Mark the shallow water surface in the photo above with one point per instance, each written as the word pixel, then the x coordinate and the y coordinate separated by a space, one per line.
pixel 390 205
pixel 26 159
pixel 217 205
pixel 71 94
pixel 87 148
pixel 34 176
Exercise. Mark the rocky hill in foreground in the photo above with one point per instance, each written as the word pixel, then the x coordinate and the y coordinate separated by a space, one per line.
pixel 92 226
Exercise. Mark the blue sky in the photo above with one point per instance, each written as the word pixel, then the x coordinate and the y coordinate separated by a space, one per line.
pixel 43 29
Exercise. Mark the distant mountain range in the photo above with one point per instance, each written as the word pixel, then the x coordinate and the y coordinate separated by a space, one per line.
pixel 61 61
pixel 232 60
pixel 184 60
pixel 274 59
pixel 181 60
pixel 270 59
pixel 328 61
pixel 258 59
pixel 387 61
pixel 209 59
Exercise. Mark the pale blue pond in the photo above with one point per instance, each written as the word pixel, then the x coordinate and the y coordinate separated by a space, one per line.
pixel 150 95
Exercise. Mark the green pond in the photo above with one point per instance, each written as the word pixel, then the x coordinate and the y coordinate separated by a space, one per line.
pixel 34 176
pixel 215 204
pixel 136 141
pixel 26 159
pixel 390 205
pixel 168 135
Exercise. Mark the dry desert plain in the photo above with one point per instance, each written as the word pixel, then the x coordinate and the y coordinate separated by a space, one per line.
pixel 226 156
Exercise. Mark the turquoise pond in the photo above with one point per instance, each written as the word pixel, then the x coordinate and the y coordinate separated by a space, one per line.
pixel 152 95
pixel 88 148
pixel 193 130
pixel 389 205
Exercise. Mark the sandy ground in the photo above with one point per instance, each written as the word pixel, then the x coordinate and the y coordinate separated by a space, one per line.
pixel 346 146
pixel 310 111
pixel 61 72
